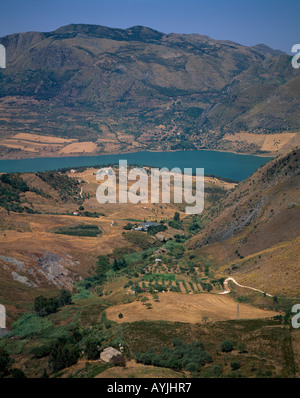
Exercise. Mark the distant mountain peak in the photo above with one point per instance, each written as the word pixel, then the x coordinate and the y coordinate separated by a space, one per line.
pixel 145 30
pixel 137 33
pixel 264 49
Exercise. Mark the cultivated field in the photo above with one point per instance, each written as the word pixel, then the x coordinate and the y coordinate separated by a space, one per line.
pixel 176 307
pixel 271 143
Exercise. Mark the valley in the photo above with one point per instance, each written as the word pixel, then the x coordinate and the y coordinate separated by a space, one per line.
pixel 146 290
pixel 126 283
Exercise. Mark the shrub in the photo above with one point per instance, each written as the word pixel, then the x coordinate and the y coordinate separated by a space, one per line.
pixel 154 229
pixel 64 298
pixel 91 349
pixel 235 365
pixel 128 226
pixel 213 371
pixel 5 362
pixel 41 351
pixel 45 306
pixel 227 346
pixel 17 374
pixel 118 360
pixel 192 367
pixel 177 342
pixel 63 355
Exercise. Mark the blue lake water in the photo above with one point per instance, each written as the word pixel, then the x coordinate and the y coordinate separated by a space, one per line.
pixel 222 164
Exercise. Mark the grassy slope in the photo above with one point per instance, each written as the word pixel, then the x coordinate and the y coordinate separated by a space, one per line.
pixel 253 234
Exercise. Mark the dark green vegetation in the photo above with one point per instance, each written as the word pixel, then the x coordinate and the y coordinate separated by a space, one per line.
pixel 80 230
pixel 65 185
pixel 13 189
pixel 6 369
pixel 190 356
pixel 257 345
pixel 154 229
pixel 54 342
pixel 45 306
pixel 88 81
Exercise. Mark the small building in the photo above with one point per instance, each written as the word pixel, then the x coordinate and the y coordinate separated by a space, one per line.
pixel 109 353
pixel 145 225
pixel 105 171
pixel 138 229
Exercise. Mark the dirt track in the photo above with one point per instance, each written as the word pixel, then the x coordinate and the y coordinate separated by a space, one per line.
pixel 227 289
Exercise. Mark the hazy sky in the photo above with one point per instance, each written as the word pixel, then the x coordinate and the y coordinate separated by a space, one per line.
pixel 249 22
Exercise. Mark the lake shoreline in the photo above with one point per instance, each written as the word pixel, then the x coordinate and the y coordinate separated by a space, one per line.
pixel 222 164
pixel 270 155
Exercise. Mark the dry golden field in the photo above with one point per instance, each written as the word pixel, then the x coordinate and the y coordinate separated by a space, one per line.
pixel 188 308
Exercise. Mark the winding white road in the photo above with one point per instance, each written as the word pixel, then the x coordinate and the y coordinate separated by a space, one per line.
pixel 227 289
pixel 81 191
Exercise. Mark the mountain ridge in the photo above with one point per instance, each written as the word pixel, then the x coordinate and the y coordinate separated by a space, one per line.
pixel 253 233
pixel 137 88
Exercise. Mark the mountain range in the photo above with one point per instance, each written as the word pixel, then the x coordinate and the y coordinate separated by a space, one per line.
pixel 119 90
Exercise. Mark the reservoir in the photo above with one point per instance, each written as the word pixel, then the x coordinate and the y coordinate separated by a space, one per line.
pixel 222 164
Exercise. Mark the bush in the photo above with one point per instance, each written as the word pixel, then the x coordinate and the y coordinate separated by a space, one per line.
pixel 227 346
pixel 235 365
pixel 128 226
pixel 213 371
pixel 177 342
pixel 63 355
pixel 118 264
pixel 5 362
pixel 118 360
pixel 154 229
pixel 17 374
pixel 45 306
pixel 192 367
pixel 91 349
pixel 64 298
pixel 41 351
pixel 176 216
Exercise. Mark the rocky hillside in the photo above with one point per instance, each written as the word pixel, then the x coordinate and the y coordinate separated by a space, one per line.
pixel 254 232
pixel 137 88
